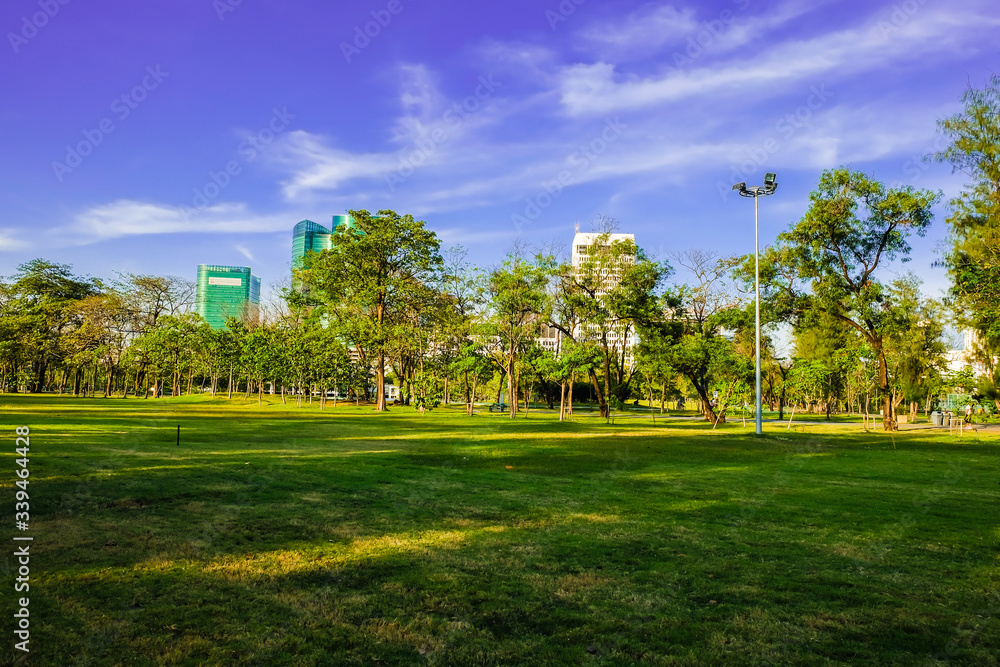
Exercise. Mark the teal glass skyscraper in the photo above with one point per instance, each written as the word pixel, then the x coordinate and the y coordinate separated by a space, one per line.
pixel 308 236
pixel 224 292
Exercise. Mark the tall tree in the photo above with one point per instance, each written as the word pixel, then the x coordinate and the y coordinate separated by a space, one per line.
pixel 519 305
pixel 973 259
pixel 915 343
pixel 38 310
pixel 371 276
pixel 829 260
pixel 613 291
pixel 703 354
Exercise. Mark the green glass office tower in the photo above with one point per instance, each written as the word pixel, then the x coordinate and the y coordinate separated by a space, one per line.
pixel 308 236
pixel 224 292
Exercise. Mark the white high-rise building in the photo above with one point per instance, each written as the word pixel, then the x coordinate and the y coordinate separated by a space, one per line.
pixel 584 245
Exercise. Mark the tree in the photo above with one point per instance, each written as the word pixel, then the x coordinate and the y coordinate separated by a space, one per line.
pixel 825 342
pixel 463 289
pixel 519 305
pixel 37 312
pixel 828 261
pixel 915 344
pixel 973 260
pixel 612 292
pixel 702 354
pixel 371 276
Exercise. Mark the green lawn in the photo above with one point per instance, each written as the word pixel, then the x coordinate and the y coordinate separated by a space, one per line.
pixel 279 535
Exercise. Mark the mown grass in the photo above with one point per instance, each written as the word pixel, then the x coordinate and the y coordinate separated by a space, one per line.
pixel 275 535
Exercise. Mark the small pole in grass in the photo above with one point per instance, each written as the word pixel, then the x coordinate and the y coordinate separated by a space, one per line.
pixel 178 435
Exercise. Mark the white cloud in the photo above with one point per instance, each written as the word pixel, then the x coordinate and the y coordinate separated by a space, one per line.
pixel 243 250
pixel 9 241
pixel 126 217
pixel 317 166
pixel 646 29
pixel 431 131
pixel 598 88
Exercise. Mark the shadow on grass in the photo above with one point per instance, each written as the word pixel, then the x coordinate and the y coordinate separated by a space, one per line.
pixel 354 538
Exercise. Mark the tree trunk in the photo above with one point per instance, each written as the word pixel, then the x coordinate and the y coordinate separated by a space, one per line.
pixel 602 401
pixel 511 396
pixel 888 413
pixel 562 400
pixel 708 412
pixel 569 396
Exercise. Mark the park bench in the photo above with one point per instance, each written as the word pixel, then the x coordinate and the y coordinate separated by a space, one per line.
pixel 498 407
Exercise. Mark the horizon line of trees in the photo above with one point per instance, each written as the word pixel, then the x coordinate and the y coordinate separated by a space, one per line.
pixel 384 303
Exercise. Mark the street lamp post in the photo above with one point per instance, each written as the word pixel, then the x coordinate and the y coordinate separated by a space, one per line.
pixel 755 191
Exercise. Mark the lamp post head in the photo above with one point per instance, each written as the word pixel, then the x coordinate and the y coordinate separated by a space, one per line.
pixel 770 182
pixel 740 186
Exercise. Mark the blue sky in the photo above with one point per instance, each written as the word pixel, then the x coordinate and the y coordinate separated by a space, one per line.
pixel 152 137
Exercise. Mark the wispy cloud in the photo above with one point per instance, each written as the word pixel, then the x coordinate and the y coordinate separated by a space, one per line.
pixel 599 88
pixel 644 31
pixel 126 217
pixel 315 165
pixel 243 250
pixel 9 241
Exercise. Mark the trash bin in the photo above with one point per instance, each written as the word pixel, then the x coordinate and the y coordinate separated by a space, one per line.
pixel 937 418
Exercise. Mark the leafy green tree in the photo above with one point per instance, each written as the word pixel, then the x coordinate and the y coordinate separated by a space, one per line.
pixel 613 292
pixel 915 344
pixel 519 305
pixel 104 329
pixel 370 277
pixel 702 353
pixel 37 310
pixel 973 259
pixel 463 290
pixel 829 260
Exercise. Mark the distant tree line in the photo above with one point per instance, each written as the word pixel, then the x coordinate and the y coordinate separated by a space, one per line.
pixel 386 305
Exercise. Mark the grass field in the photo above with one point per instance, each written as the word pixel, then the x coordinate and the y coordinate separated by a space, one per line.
pixel 277 535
